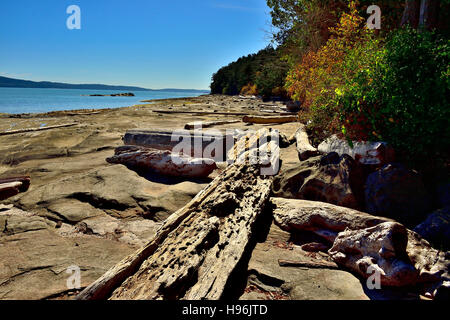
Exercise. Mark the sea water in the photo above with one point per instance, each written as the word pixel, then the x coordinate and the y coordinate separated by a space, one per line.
pixel 31 100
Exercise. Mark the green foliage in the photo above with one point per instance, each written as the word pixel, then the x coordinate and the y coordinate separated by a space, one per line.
pixel 402 97
pixel 265 69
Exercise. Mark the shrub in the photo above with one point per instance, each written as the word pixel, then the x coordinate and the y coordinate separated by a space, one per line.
pixel 403 96
pixel 249 90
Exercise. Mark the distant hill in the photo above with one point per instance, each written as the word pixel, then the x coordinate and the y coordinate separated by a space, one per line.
pixel 18 83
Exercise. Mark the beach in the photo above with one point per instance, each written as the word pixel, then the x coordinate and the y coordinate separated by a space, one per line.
pixel 120 209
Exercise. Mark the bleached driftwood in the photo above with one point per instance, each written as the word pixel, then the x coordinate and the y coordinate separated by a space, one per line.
pixel 162 162
pixel 5 133
pixel 194 253
pixel 10 187
pixel 304 148
pixel 208 124
pixel 269 120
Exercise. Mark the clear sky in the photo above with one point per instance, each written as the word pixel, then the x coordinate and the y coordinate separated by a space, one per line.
pixel 149 43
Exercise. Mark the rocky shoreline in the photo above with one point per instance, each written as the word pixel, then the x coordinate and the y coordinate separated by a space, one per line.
pixel 82 210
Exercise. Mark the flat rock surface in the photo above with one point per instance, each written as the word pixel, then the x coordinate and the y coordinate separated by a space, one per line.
pixel 270 281
pixel 267 280
pixel 79 209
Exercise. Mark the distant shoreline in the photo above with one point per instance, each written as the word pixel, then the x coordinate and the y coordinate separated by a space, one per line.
pixel 6 82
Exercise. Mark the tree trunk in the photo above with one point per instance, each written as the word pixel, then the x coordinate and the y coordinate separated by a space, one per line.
pixel 411 14
pixel 429 14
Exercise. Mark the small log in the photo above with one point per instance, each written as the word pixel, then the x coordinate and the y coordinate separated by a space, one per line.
pixel 319 264
pixel 208 124
pixel 269 120
pixel 12 186
pixel 5 133
pixel 162 162
pixel 304 148
pixel 194 253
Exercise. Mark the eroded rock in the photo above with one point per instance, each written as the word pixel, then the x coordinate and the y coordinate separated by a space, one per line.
pixel 380 249
pixel 332 179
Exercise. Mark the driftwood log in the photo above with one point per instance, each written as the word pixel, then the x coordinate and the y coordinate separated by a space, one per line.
pixel 304 148
pixel 269 120
pixel 194 253
pixel 162 162
pixel 10 187
pixel 5 133
pixel 356 235
pixel 208 124
pixel 167 140
pixel 200 112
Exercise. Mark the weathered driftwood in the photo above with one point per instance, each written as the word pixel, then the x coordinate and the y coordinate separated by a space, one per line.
pixel 10 187
pixel 208 124
pixel 200 112
pixel 197 248
pixel 5 133
pixel 358 235
pixel 260 147
pixel 162 162
pixel 167 140
pixel 270 119
pixel 307 264
pixel 304 148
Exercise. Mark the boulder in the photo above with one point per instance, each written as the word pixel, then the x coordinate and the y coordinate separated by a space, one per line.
pixel 443 195
pixel 379 249
pixel 368 153
pixel 332 179
pixel 436 228
pixel 397 193
pixel 163 162
pixel 293 106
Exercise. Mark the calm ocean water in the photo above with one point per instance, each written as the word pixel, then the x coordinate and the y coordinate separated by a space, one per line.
pixel 30 100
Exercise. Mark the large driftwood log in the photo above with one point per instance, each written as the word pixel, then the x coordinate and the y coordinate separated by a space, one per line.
pixel 304 148
pixel 162 162
pixel 270 120
pixel 5 133
pixel 208 124
pixel 197 248
pixel 200 112
pixel 10 187
pixel 167 140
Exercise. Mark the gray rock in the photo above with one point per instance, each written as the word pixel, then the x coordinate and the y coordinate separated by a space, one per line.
pixel 436 228
pixel 397 193
pixel 339 181
pixel 369 153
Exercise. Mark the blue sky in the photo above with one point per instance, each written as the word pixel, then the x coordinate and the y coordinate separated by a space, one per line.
pixel 149 43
